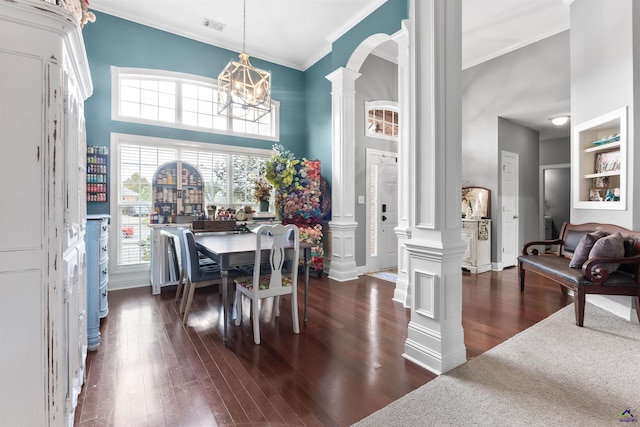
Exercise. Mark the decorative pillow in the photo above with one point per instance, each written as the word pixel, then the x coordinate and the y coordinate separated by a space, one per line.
pixel 581 253
pixel 629 250
pixel 608 246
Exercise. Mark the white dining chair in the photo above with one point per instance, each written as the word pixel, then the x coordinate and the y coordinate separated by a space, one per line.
pixel 271 279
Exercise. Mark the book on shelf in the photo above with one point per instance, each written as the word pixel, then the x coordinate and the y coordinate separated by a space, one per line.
pixel 601 182
pixel 608 162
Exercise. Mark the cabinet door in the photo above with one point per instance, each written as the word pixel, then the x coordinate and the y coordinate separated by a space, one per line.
pixel 75 161
pixel 74 347
pixel 23 155
pixel 23 358
pixel 469 238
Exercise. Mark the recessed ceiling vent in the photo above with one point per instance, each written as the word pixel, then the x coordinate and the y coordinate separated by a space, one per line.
pixel 214 25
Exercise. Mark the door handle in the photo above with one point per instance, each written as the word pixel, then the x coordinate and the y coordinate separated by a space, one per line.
pixel 515 217
pixel 384 218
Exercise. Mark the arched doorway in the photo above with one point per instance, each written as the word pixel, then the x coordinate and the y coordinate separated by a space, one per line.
pixel 344 262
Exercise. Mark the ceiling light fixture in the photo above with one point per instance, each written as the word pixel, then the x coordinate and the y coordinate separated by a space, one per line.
pixel 243 90
pixel 560 120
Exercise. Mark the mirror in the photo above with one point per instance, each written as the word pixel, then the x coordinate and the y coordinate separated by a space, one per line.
pixel 479 199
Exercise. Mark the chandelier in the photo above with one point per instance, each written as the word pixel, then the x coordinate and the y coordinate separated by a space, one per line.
pixel 243 90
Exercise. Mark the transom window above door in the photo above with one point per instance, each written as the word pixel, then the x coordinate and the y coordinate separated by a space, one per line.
pixel 382 119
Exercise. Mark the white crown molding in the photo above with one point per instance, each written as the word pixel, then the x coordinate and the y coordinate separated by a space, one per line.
pixel 516 46
pixel 233 47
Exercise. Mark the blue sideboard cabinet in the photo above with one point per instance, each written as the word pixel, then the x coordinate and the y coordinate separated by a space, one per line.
pixel 97 244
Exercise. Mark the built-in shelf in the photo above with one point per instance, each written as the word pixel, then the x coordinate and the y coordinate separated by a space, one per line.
pixel 603 147
pixel 602 174
pixel 600 162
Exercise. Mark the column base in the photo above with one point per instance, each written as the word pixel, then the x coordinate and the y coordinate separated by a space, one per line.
pixel 432 360
pixel 343 263
pixel 402 292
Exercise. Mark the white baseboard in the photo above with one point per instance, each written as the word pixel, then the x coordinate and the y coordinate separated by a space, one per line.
pixel 621 306
pixel 138 279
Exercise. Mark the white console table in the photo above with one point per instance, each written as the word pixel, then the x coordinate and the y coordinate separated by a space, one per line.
pixel 476 233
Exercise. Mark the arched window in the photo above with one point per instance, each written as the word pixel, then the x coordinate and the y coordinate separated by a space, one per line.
pixel 182 101
pixel 382 119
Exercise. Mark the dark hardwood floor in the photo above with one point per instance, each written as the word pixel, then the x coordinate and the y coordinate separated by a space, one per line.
pixel 150 370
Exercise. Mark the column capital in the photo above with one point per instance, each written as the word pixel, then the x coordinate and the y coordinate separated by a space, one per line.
pixel 343 78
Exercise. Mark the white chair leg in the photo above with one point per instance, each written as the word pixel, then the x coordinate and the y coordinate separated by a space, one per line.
pixel 187 308
pixel 276 306
pixel 238 307
pixel 255 313
pixel 294 312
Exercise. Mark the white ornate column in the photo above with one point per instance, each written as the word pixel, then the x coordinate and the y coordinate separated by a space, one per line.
pixel 406 147
pixel 343 224
pixel 435 338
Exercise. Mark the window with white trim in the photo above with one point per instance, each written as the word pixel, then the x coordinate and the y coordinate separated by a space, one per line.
pixel 182 101
pixel 228 175
pixel 382 119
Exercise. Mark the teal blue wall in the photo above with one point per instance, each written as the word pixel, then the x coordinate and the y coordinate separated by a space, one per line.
pixel 318 111
pixel 113 41
pixel 305 97
pixel 387 19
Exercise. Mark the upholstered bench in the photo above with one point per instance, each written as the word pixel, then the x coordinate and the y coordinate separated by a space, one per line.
pixel 580 264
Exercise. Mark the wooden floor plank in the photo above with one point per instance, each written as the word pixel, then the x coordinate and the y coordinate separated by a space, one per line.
pixel 151 370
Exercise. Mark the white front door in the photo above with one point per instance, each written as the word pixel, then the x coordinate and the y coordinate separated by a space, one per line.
pixel 509 180
pixel 382 202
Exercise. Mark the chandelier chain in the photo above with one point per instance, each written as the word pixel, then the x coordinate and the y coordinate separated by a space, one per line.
pixel 244 26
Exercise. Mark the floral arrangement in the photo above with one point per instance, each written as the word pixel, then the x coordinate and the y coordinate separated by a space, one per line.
pixel 262 189
pixel 313 235
pixel 298 196
pixel 281 168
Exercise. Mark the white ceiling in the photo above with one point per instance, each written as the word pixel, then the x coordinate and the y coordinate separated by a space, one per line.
pixel 297 33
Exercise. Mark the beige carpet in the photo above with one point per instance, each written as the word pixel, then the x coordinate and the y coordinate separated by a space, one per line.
pixel 552 374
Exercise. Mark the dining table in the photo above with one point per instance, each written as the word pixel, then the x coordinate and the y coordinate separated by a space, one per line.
pixel 231 250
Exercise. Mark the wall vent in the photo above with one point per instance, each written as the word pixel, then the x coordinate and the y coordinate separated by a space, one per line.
pixel 214 25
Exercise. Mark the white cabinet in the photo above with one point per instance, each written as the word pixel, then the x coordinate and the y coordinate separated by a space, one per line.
pixel 44 79
pixel 599 162
pixel 476 233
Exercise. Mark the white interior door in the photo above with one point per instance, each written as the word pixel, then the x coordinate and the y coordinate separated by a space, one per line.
pixel 509 180
pixel 382 202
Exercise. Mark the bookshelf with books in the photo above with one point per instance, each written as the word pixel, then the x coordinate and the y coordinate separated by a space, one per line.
pixel 599 176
